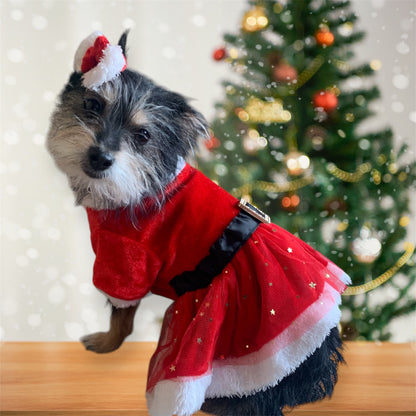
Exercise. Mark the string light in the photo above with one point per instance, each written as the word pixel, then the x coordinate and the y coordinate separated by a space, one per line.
pixel 255 20
pixel 259 111
pixel 296 163
pixel 375 65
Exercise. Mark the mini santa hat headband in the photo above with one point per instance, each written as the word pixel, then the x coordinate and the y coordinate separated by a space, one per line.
pixel 98 60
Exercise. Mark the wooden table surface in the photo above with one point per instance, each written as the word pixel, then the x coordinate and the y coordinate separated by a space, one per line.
pixel 62 379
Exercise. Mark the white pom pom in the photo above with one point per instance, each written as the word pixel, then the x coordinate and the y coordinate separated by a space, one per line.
pixel 83 47
pixel 109 67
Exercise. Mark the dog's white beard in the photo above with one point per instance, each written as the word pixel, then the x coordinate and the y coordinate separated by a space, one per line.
pixel 125 184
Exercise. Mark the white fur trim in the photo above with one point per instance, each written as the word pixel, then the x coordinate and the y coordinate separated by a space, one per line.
pixel 254 372
pixel 333 268
pixel 180 165
pixel 239 377
pixel 122 304
pixel 82 48
pixel 182 397
pixel 109 67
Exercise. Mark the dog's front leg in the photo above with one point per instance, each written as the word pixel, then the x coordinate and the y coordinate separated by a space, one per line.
pixel 121 325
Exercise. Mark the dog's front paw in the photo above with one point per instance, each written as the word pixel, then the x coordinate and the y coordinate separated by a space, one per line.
pixel 100 342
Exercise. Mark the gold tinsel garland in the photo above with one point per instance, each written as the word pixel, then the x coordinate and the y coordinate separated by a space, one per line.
pixel 296 184
pixel 347 176
pixel 308 72
pixel 383 278
pixel 272 187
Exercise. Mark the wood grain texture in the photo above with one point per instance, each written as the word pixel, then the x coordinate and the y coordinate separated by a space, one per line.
pixel 62 379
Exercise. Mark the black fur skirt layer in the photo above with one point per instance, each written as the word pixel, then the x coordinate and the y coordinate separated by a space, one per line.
pixel 313 380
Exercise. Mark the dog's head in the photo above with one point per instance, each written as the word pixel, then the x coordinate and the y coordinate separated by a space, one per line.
pixel 120 140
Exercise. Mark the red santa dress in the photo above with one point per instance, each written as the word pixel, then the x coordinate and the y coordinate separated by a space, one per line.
pixel 264 313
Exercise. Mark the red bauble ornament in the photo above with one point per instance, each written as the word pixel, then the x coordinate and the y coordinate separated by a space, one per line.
pixel 212 143
pixel 219 54
pixel 285 73
pixel 326 100
pixel 324 37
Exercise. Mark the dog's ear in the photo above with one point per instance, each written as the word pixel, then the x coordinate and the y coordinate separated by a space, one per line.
pixel 123 41
pixel 74 82
pixel 195 126
pixel 188 124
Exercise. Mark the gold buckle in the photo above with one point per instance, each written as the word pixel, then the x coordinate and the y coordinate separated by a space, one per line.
pixel 254 211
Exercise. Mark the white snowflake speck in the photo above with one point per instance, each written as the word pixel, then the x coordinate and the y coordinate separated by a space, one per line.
pixel 86 289
pixel 17 15
pixel 53 233
pixel 378 4
pixel 14 167
pixel 39 22
pixel 96 25
pixel 24 234
pixel 34 320
pixel 199 20
pixel 397 107
pixel 11 137
pixel 89 315
pixel 56 294
pixel 9 307
pixel 22 261
pixel 400 81
pixel 69 279
pixel 169 52
pixel 163 27
pixel 74 330
pixel 403 48
pixel 52 272
pixel 39 139
pixel 61 45
pixel 15 55
pixel 10 80
pixel 49 96
pixel 32 253
pixel 128 23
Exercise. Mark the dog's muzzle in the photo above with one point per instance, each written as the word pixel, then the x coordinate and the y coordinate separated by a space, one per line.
pixel 97 162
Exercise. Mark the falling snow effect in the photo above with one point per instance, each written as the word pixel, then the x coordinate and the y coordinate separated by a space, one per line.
pixel 46 291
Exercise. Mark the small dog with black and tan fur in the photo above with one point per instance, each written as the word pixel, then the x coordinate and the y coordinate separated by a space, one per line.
pixel 253 323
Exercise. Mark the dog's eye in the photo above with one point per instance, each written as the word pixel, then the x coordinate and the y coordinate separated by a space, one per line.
pixel 93 105
pixel 141 135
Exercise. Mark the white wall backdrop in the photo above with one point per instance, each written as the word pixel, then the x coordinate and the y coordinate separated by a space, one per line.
pixel 46 291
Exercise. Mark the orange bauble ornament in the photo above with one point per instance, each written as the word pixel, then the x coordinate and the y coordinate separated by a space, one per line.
pixel 326 100
pixel 290 202
pixel 324 37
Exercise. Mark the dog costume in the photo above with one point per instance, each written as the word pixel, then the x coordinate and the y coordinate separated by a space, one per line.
pixel 252 324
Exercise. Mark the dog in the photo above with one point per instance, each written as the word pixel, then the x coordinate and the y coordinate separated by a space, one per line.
pixel 253 324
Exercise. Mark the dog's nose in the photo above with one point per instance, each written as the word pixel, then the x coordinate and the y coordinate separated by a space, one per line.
pixel 99 159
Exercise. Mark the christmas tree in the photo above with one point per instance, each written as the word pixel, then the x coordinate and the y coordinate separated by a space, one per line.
pixel 287 137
